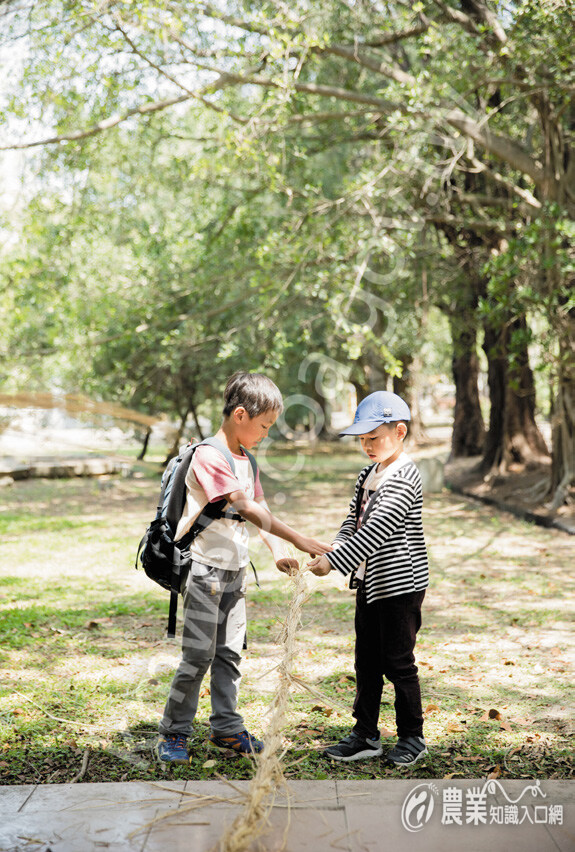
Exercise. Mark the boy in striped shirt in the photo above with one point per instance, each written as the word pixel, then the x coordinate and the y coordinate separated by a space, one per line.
pixel 381 546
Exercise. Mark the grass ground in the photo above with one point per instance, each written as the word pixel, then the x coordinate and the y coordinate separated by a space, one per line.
pixel 85 667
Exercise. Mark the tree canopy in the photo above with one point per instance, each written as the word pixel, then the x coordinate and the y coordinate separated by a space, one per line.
pixel 217 184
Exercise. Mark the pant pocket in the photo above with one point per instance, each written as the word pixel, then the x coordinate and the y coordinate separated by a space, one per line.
pixel 205 576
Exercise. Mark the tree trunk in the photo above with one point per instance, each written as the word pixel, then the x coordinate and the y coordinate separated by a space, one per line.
pixel 145 445
pixel 361 389
pixel 404 386
pixel 178 437
pixel 513 435
pixel 563 464
pixel 201 435
pixel 369 377
pixel 468 435
pixel 497 379
pixel 324 433
pixel 523 439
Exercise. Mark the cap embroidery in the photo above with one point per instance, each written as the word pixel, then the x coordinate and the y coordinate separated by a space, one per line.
pixel 387 412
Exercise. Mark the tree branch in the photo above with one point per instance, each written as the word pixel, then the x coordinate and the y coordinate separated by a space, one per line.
pixel 355 54
pixel 527 196
pixel 107 124
pixel 501 146
pixel 480 226
pixel 252 79
pixel 458 17
pixel 120 26
pixel 393 38
pixel 485 15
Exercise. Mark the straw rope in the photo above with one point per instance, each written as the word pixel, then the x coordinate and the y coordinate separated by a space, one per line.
pixel 253 821
pixel 259 800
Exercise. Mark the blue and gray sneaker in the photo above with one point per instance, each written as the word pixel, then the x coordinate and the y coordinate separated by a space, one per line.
pixel 242 743
pixel 171 748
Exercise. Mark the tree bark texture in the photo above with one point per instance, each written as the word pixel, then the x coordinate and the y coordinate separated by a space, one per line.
pixel 145 443
pixel 468 435
pixel 405 387
pixel 513 435
pixel 563 466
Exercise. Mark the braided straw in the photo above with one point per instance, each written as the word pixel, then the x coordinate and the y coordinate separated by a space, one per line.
pixel 253 821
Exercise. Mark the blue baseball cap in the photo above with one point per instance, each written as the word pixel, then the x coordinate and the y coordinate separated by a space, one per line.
pixel 377 408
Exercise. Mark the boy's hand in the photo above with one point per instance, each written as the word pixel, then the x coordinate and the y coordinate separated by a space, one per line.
pixel 287 565
pixel 312 545
pixel 320 566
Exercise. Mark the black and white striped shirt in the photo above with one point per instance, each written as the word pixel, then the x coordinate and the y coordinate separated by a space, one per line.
pixel 390 539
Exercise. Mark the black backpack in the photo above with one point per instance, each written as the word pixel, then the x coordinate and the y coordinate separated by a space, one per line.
pixel 167 561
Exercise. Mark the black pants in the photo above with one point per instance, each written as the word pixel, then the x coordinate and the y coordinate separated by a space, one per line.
pixel 385 638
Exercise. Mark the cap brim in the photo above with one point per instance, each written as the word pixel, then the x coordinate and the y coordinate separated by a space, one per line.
pixel 362 427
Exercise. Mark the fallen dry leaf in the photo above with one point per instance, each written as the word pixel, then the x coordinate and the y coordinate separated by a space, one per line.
pixel 319 708
pixel 523 721
pixel 432 708
pixel 454 727
pixel 496 772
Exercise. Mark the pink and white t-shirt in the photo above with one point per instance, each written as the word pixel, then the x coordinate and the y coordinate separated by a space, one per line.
pixel 225 541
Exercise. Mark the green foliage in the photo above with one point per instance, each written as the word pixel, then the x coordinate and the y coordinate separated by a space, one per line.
pixel 314 200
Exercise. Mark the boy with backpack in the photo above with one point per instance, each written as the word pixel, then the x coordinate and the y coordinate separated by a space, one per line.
pixel 381 545
pixel 214 626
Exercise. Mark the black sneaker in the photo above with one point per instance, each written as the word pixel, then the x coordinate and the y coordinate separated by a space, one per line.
pixel 407 751
pixel 354 747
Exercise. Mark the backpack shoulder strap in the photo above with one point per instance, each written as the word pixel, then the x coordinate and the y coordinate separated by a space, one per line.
pixel 174 497
pixel 221 448
pixel 252 461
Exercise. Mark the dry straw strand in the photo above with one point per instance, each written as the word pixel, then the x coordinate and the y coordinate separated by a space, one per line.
pixel 252 822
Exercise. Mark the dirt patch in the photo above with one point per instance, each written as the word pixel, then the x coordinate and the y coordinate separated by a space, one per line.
pixel 523 490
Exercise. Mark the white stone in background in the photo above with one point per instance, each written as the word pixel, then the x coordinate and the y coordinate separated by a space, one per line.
pixel 431 470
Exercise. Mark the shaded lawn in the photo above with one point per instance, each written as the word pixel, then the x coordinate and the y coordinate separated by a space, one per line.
pixel 85 669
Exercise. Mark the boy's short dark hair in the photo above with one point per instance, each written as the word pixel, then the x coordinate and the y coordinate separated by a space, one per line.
pixel 254 392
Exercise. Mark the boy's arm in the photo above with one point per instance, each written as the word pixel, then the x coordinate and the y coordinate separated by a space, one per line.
pixel 397 498
pixel 277 546
pixel 268 523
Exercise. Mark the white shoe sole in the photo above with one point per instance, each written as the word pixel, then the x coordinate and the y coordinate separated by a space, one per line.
pixel 411 762
pixel 361 755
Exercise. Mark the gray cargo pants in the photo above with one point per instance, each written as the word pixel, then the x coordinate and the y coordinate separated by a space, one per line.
pixel 213 635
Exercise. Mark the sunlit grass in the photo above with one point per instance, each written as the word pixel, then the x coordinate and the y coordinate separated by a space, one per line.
pixel 84 662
